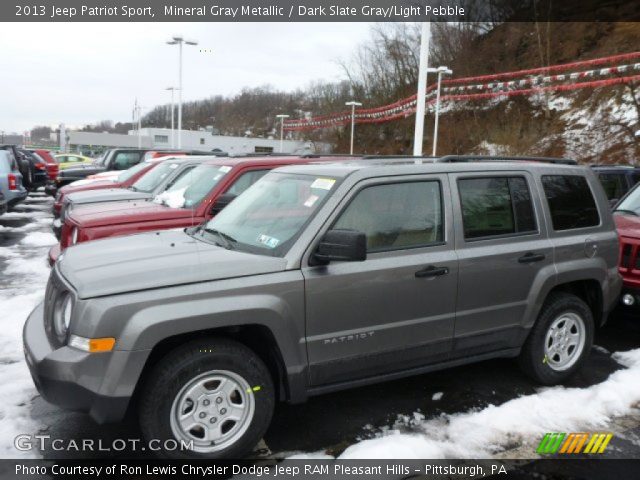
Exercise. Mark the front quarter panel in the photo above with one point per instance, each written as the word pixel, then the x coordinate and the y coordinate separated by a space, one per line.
pixel 141 320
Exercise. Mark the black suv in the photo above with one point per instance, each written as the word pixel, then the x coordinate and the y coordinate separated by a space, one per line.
pixel 616 180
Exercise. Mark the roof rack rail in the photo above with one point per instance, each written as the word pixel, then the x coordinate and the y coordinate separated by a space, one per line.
pixel 259 154
pixel 612 165
pixel 382 157
pixel 493 158
pixel 322 155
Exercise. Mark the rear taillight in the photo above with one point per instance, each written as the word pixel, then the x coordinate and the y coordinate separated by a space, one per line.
pixel 13 181
pixel 41 166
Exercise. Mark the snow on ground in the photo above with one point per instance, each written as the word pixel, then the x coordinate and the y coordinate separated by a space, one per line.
pixel 522 421
pixel 39 239
pixel 23 276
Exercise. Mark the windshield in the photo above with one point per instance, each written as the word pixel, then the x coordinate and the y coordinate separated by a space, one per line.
pixel 631 204
pixel 269 215
pixel 188 190
pixel 127 174
pixel 150 180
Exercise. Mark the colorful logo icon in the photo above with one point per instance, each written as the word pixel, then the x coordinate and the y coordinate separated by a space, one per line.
pixel 566 443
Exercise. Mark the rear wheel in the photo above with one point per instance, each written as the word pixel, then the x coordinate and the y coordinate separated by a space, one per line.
pixel 560 341
pixel 215 395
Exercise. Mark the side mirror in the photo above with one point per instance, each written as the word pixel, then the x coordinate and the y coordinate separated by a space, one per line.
pixel 342 245
pixel 613 202
pixel 222 201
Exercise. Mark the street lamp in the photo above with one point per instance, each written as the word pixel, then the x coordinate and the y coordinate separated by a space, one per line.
pixel 282 117
pixel 353 104
pixel 179 40
pixel 441 71
pixel 173 132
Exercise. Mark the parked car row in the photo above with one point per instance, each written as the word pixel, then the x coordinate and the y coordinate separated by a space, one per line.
pixel 262 279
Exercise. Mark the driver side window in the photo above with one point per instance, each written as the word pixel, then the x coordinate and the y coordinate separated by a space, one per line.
pixel 396 216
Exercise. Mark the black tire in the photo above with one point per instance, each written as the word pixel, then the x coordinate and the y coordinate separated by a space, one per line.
pixel 532 357
pixel 187 362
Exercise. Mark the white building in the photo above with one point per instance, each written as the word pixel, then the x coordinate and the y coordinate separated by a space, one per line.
pixel 160 139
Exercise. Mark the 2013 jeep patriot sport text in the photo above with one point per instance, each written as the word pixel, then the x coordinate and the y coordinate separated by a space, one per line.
pixel 323 277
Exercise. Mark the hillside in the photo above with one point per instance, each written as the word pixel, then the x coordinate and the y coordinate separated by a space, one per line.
pixel 593 125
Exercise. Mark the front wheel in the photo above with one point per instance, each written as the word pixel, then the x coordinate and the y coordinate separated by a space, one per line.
pixel 215 396
pixel 560 341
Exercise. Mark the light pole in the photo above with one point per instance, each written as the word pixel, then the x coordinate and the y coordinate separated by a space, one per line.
pixel 418 134
pixel 173 132
pixel 441 71
pixel 179 40
pixel 353 104
pixel 282 117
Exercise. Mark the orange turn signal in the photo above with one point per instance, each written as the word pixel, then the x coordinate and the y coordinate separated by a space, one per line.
pixel 101 344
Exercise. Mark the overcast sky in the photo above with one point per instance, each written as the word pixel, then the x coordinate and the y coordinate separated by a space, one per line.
pixel 80 73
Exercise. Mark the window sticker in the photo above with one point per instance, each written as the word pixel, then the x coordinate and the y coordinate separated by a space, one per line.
pixel 217 177
pixel 225 168
pixel 268 241
pixel 311 200
pixel 323 183
pixel 173 166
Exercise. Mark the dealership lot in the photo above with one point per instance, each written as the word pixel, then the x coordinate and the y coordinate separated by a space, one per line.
pixel 330 423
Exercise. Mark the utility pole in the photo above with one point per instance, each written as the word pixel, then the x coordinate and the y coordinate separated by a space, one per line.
pixel 282 117
pixel 422 89
pixel 179 40
pixel 353 104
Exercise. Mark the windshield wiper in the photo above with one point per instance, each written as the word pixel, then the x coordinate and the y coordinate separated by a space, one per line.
pixel 226 238
pixel 632 212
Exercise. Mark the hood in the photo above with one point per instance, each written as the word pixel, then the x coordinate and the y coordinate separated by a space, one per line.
pixel 87 184
pixel 627 225
pixel 106 195
pixel 155 260
pixel 117 213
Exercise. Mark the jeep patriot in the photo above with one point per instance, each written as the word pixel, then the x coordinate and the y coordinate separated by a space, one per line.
pixel 323 277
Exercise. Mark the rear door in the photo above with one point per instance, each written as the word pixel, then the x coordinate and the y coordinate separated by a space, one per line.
pixel 502 245
pixel 395 310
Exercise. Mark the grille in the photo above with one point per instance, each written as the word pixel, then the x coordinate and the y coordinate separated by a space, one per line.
pixel 630 259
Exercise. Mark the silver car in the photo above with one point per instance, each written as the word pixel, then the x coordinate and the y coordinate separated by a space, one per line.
pixel 11 180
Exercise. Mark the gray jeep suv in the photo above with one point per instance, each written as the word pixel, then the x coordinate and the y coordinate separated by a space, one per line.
pixel 324 277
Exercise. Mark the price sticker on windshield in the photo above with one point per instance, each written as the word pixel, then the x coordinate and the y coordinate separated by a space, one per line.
pixel 225 168
pixel 323 183
pixel 268 241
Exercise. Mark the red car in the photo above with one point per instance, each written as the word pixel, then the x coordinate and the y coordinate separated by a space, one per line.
pixel 194 197
pixel 124 180
pixel 51 165
pixel 627 217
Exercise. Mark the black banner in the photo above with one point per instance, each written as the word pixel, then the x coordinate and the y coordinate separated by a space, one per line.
pixel 558 467
pixel 318 10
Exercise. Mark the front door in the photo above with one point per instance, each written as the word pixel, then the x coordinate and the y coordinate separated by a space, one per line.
pixel 395 310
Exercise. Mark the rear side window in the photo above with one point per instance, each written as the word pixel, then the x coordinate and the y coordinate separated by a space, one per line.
pixel 571 202
pixel 496 206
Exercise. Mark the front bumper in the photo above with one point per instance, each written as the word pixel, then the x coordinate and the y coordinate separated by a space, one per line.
pixel 54 253
pixel 96 383
pixel 51 189
pixel 632 295
pixel 56 226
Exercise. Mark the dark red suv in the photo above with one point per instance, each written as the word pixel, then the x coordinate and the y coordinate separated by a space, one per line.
pixel 196 196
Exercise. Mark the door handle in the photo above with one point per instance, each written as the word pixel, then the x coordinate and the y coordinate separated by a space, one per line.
pixel 432 271
pixel 531 257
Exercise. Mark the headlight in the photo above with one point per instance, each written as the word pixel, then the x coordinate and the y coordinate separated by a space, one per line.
pixel 62 315
pixel 74 236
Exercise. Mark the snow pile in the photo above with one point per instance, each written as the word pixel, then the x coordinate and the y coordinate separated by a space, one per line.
pixel 28 278
pixel 39 239
pixel 481 434
pixel 171 198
